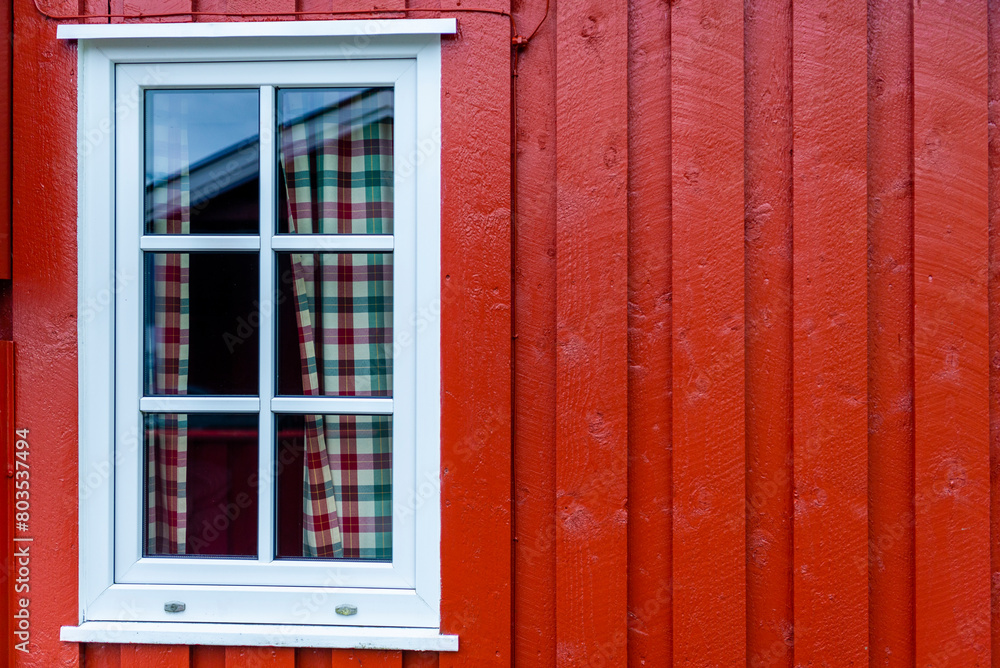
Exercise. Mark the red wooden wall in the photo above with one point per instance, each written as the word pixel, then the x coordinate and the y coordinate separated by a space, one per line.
pixel 756 316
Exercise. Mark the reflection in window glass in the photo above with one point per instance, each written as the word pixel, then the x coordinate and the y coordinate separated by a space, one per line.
pixel 334 476
pixel 335 168
pixel 202 157
pixel 335 324
pixel 201 484
pixel 202 323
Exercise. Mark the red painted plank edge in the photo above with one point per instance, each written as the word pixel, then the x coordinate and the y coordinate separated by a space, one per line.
pixel 951 367
pixel 534 270
pixel 994 313
pixel 650 494
pixel 709 455
pixel 160 656
pixel 591 331
pixel 890 565
pixel 476 343
pixel 830 532
pixel 6 71
pixel 768 190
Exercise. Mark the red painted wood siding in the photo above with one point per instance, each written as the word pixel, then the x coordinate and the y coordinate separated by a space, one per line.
pixel 6 69
pixel 755 290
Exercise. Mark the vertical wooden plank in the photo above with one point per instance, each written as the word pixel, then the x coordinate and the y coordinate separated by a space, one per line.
pixel 890 561
pixel 993 85
pixel 100 656
pixel 314 657
pixel 951 247
pixel 649 318
pixel 348 658
pixel 475 340
pixel 420 660
pixel 535 348
pixel 6 57
pixel 138 7
pixel 161 656
pixel 829 344
pixel 361 6
pixel 91 8
pixel 260 657
pixel 44 320
pixel 6 310
pixel 203 656
pixel 238 7
pixel 591 333
pixel 708 330
pixel 424 4
pixel 768 196
pixel 345 6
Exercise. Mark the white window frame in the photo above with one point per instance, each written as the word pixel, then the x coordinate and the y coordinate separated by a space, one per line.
pixel 263 602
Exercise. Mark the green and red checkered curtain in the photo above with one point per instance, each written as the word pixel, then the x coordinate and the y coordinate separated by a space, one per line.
pixel 337 163
pixel 167 434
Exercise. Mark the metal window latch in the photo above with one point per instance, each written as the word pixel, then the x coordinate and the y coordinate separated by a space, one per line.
pixel 347 610
pixel 174 606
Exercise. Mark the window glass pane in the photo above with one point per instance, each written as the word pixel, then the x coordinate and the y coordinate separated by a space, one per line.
pixel 202 321
pixel 335 163
pixel 335 324
pixel 201 484
pixel 334 492
pixel 202 156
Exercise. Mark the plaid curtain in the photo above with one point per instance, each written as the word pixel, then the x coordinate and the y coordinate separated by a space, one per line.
pixel 167 434
pixel 337 163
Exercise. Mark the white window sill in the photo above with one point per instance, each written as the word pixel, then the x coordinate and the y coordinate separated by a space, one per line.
pixel 359 28
pixel 262 635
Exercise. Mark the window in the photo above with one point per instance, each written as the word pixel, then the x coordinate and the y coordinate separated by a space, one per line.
pixel 259 396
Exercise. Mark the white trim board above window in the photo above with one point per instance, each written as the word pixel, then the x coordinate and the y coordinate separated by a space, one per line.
pixel 142 272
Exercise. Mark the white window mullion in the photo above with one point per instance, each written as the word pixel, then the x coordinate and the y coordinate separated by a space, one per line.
pixel 129 329
pixel 183 243
pixel 199 404
pixel 317 243
pixel 268 306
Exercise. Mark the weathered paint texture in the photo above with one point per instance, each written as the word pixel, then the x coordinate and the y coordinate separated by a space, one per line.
pixel 591 333
pixel 951 334
pixel 750 264
pixel 709 574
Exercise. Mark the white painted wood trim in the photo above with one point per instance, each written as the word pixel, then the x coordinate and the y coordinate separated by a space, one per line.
pixel 196 404
pixel 410 61
pixel 198 242
pixel 98 286
pixel 214 572
pixel 267 309
pixel 261 635
pixel 319 72
pixel 259 604
pixel 426 165
pixel 315 243
pixel 346 28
